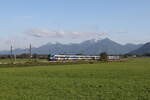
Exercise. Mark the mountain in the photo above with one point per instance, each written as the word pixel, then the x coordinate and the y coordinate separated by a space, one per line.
pixel 145 49
pixel 93 46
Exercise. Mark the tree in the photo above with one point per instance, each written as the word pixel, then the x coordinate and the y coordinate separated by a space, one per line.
pixel 147 54
pixel 103 56
pixel 49 57
pixel 35 57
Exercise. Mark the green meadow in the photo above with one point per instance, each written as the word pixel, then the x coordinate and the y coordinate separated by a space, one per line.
pixel 128 80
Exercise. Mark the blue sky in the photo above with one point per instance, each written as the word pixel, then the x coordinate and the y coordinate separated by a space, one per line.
pixel 69 21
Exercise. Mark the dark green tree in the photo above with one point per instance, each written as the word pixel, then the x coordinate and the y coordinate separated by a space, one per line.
pixel 103 56
pixel 49 56
pixel 35 57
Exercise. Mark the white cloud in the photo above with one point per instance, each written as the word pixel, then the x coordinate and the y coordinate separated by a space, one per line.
pixel 120 31
pixel 39 32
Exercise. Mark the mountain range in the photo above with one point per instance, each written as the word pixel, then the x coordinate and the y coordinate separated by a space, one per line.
pixel 93 47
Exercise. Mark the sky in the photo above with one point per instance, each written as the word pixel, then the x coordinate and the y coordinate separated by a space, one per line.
pixel 72 21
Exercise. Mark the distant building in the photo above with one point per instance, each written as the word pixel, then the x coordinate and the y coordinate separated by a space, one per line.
pixel 134 56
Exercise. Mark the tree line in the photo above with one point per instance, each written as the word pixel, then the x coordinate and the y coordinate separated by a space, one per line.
pixel 24 55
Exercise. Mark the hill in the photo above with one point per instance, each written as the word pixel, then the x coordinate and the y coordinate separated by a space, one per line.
pixel 145 49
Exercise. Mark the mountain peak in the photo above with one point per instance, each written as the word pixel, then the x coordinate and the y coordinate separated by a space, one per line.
pixel 95 40
pixel 147 44
pixel 106 39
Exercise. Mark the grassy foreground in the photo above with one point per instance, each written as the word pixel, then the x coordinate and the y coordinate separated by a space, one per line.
pixel 128 80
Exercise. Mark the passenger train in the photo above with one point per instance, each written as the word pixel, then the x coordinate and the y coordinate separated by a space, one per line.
pixel 79 57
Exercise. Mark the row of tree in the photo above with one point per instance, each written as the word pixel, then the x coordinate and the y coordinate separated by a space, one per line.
pixel 24 55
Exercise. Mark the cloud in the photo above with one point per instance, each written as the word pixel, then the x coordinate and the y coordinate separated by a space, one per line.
pixel 24 17
pixel 40 33
pixel 102 33
pixel 120 31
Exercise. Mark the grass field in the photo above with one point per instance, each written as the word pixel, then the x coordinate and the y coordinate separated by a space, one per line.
pixel 129 80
